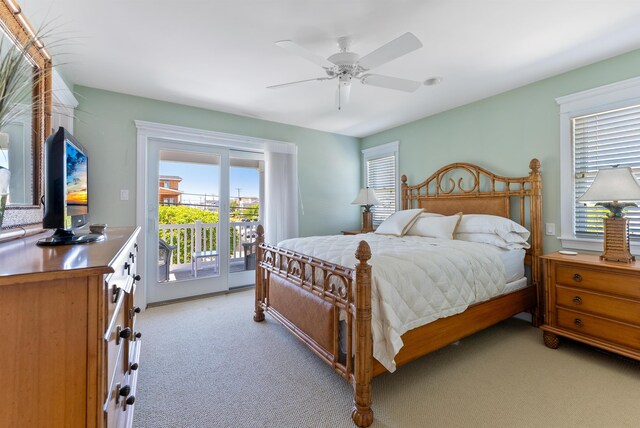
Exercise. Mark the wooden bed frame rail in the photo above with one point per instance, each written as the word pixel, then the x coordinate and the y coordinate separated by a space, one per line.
pixel 309 296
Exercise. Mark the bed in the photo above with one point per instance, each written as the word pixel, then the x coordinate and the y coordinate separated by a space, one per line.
pixel 328 305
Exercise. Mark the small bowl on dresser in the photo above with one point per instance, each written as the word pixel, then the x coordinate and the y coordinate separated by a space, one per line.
pixel 97 228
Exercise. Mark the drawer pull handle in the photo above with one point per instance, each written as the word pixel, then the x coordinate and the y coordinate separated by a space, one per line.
pixel 124 391
pixel 578 322
pixel 577 300
pixel 116 293
pixel 133 311
pixel 127 267
pixel 123 333
pixel 133 367
pixel 130 400
pixel 577 277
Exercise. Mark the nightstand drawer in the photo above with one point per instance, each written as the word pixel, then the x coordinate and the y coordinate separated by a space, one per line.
pixel 612 331
pixel 599 280
pixel 620 309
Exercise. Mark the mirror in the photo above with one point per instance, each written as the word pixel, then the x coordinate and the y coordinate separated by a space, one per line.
pixel 16 154
pixel 22 134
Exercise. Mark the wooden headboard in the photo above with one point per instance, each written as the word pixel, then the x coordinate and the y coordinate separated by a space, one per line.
pixel 470 189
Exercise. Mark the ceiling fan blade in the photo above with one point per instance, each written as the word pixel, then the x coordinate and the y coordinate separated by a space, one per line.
pixel 282 85
pixel 392 50
pixel 294 48
pixel 390 82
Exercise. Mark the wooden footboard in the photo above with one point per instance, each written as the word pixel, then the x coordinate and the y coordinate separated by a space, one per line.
pixel 308 296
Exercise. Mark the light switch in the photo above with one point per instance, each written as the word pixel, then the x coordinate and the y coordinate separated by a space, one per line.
pixel 124 194
pixel 551 228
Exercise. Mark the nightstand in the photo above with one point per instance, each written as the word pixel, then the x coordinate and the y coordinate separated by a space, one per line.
pixel 592 301
pixel 352 232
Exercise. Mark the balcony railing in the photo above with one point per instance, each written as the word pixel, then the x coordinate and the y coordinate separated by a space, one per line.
pixel 199 236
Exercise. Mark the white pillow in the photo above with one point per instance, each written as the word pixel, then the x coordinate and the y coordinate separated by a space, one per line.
pixel 428 214
pixel 493 239
pixel 399 222
pixel 501 226
pixel 431 226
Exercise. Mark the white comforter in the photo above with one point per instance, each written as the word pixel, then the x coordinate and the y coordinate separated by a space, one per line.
pixel 415 280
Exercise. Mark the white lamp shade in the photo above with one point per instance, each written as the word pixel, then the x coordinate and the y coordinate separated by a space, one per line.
pixel 614 184
pixel 366 197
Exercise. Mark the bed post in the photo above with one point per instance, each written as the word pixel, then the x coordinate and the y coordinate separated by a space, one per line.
pixel 361 413
pixel 404 193
pixel 259 313
pixel 535 179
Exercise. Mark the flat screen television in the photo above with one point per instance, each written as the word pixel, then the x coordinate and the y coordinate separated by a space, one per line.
pixel 66 185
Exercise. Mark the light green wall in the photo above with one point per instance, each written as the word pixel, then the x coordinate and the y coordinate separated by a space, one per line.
pixel 504 132
pixel 329 164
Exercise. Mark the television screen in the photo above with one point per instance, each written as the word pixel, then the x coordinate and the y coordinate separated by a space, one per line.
pixel 77 196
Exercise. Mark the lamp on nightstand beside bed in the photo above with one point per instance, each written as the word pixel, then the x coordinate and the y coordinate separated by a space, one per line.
pixel 366 198
pixel 609 188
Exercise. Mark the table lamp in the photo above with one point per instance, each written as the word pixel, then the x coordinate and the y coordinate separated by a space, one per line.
pixel 609 188
pixel 367 198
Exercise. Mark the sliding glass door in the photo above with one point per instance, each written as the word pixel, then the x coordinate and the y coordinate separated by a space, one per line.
pixel 246 192
pixel 189 240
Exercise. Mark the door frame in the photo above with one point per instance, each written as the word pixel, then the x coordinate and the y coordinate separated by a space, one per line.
pixel 147 131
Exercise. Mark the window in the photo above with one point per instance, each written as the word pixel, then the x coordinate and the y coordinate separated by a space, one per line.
pixel 604 140
pixel 600 128
pixel 381 174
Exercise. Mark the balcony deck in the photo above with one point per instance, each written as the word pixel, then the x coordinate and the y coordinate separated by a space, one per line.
pixel 183 272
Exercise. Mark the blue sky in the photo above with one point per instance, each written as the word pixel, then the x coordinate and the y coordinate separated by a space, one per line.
pixel 204 178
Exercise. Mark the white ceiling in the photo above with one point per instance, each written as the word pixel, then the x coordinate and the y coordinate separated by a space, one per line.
pixel 220 55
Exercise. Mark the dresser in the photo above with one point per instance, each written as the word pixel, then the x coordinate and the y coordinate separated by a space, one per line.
pixel 592 301
pixel 69 347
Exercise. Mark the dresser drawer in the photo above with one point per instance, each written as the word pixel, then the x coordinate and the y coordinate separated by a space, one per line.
pixel 114 405
pixel 588 325
pixel 124 268
pixel 117 335
pixel 618 308
pixel 610 281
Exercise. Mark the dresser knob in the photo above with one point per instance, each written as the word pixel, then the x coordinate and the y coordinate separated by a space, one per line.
pixel 137 278
pixel 577 300
pixel 138 335
pixel 578 322
pixel 124 391
pixel 136 309
pixel 577 277
pixel 124 333
pixel 133 367
pixel 130 400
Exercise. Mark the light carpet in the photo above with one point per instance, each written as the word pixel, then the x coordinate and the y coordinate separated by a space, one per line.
pixel 205 363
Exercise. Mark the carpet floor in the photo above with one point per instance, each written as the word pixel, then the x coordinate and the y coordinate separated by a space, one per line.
pixel 205 363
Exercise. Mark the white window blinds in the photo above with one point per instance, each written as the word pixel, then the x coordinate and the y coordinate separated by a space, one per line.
pixel 603 140
pixel 381 176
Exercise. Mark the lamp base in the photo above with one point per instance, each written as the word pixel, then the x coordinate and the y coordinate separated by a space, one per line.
pixel 367 221
pixel 616 240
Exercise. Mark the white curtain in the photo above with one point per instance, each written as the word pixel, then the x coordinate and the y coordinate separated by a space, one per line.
pixel 281 192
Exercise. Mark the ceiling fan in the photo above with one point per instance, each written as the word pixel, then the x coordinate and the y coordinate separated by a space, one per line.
pixel 346 66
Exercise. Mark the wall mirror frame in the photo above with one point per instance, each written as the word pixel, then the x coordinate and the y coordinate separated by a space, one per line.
pixel 25 218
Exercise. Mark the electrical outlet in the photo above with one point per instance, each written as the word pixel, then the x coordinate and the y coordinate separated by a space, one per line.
pixel 124 194
pixel 551 229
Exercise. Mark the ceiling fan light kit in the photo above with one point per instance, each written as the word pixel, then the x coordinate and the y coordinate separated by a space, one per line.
pixel 346 66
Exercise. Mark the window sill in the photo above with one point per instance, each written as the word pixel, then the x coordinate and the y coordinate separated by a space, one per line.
pixel 591 244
